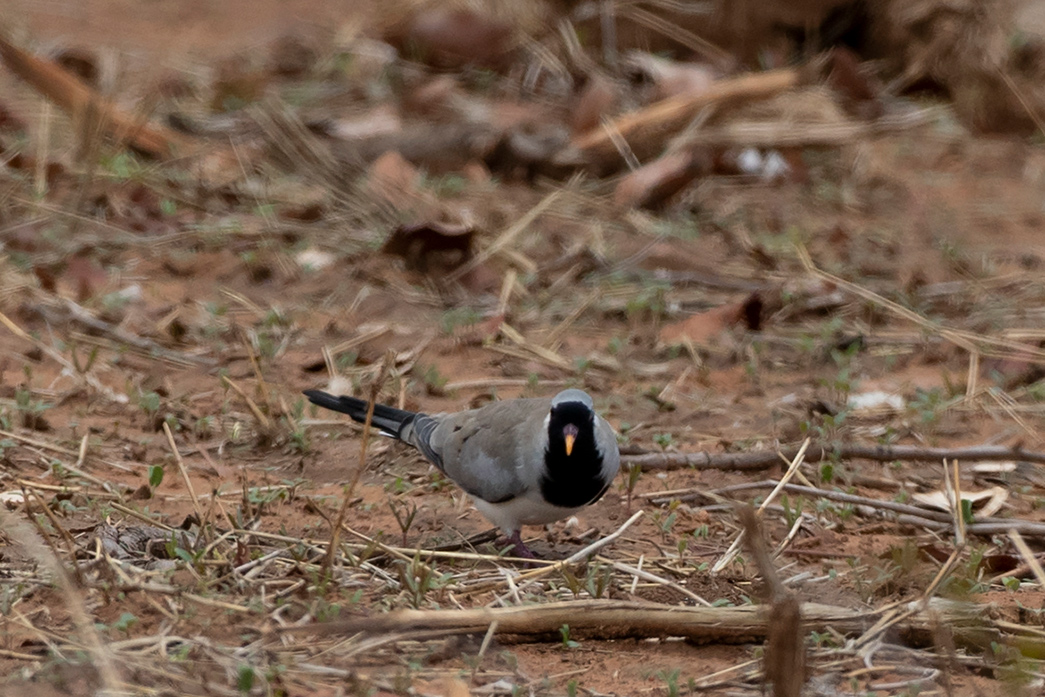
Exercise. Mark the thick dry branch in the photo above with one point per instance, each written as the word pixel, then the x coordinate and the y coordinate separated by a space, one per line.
pixel 767 459
pixel 609 619
pixel 646 131
pixel 907 514
pixel 81 102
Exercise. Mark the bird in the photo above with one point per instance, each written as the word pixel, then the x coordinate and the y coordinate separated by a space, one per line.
pixel 527 461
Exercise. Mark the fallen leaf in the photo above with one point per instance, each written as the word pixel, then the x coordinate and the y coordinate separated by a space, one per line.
pixel 530 149
pixel 669 78
pixel 598 99
pixel 237 84
pixel 80 62
pixel 859 93
pixel 704 327
pixel 435 98
pixel 988 502
pixel 455 38
pixel 86 277
pixel 391 177
pixel 292 56
pixel 1015 370
pixel 455 687
pixel 382 120
pixel 12 499
pixel 476 172
pixel 419 242
pixel 9 121
pixel 654 183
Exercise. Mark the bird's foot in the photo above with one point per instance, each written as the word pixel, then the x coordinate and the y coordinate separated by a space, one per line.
pixel 519 547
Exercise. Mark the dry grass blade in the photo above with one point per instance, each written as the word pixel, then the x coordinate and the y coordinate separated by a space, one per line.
pixel 672 114
pixel 734 549
pixel 1028 556
pixel 335 534
pixel 297 148
pixel 553 567
pixel 264 423
pixel 506 238
pixel 32 544
pixel 963 339
pixel 185 475
pixel 777 134
pixel 147 346
pixel 61 360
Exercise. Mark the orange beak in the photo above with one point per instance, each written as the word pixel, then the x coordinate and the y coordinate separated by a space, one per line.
pixel 569 433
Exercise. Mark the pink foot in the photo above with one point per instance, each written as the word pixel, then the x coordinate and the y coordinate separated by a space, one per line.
pixel 519 547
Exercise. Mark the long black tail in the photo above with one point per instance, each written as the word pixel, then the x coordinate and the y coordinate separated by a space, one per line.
pixel 388 419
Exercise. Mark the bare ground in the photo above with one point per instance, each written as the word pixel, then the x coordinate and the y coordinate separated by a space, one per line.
pixel 939 230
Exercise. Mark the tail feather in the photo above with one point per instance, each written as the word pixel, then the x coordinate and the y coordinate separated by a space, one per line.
pixel 388 419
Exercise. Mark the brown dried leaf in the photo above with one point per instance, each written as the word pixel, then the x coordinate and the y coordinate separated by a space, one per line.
pixel 292 56
pixel 418 243
pixel 438 97
pixel 860 95
pixel 86 277
pixel 237 84
pixel 391 178
pixel 81 62
pixel 9 121
pixel 598 99
pixel 455 38
pixel 705 327
pixel 670 78
pixel 655 182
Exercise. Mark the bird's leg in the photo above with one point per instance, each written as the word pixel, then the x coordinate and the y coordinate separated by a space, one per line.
pixel 519 547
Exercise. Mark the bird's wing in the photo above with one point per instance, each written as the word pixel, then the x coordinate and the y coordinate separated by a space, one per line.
pixel 606 442
pixel 496 452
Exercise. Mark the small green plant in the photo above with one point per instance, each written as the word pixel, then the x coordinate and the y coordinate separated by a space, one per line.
pixel 435 382
pixel 827 472
pixel 632 473
pixel 31 410
pixel 446 186
pixel 791 514
pixel 666 522
pixel 598 580
pixel 419 579
pixel 245 679
pixel 459 317
pixel 649 304
pixel 567 642
pixel 124 622
pixel 297 434
pixel 155 476
pixel 404 514
pixel 671 681
pixel 664 440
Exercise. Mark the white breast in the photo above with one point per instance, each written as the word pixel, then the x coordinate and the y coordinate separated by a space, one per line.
pixel 528 509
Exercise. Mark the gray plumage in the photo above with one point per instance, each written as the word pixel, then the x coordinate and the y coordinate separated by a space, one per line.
pixel 510 455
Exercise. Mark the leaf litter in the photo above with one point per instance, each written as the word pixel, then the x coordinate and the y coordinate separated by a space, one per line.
pixel 811 264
